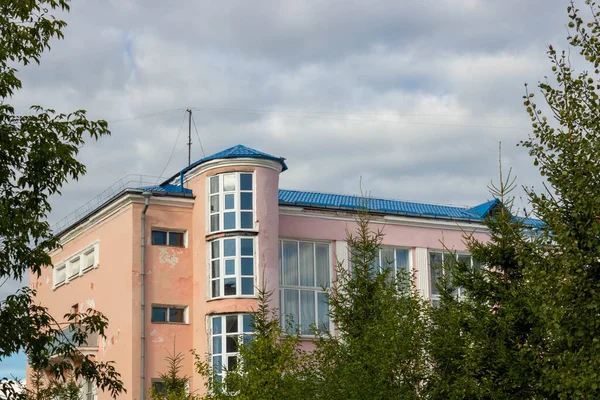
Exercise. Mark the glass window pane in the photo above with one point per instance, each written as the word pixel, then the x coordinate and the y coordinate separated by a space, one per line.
pixel 229 247
pixel 435 264
pixel 217 345
pixel 217 364
pixel 323 307
pixel 248 286
pixel 248 326
pixel 247 220
pixel 306 264
pixel 248 266
pixel 229 267
pixel 402 260
pixel 216 326
pixel 307 311
pixel 228 182
pixel 388 258
pixel 465 258
pixel 246 200
pixel 231 324
pixel 290 263
pixel 245 181
pixel 214 203
pixel 214 222
pixel 216 271
pixel 159 238
pixel 216 288
pixel 229 202
pixel 247 247
pixel 230 287
pixel 215 249
pixel 290 305
pixel 214 184
pixel 176 239
pixel 323 267
pixel 176 315
pixel 159 314
pixel 232 362
pixel 229 220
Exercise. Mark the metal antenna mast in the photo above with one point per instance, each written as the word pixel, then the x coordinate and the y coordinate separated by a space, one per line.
pixel 189 110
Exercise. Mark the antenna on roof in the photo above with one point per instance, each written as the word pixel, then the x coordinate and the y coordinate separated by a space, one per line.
pixel 189 110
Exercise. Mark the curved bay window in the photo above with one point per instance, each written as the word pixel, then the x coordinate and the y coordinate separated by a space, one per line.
pixel 231 202
pixel 231 267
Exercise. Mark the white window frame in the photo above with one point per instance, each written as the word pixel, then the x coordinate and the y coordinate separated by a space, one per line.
pixel 236 202
pixel 167 232
pixel 459 293
pixel 237 258
pixel 77 260
pixel 394 263
pixel 314 289
pixel 238 336
pixel 85 392
pixel 169 307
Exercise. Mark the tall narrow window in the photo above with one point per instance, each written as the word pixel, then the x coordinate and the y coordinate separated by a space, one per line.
pixel 74 266
pixel 231 267
pixel 231 202
pixel 60 274
pixel 227 331
pixel 304 273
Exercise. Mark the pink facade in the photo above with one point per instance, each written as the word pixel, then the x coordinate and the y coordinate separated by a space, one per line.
pixel 206 250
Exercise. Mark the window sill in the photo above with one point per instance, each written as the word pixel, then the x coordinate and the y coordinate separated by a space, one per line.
pixel 233 232
pixel 247 296
pixel 169 323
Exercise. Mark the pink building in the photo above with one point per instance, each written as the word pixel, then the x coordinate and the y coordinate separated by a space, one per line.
pixel 176 265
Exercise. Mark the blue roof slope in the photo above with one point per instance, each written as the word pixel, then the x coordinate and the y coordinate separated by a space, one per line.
pixel 344 202
pixel 239 151
pixel 482 210
pixel 166 188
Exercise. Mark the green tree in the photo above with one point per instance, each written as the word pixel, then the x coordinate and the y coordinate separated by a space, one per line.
pixel 377 351
pixel 272 363
pixel 478 342
pixel 174 385
pixel 38 155
pixel 565 148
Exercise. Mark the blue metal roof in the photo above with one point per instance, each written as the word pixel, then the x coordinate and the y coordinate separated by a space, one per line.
pixel 166 188
pixel 396 207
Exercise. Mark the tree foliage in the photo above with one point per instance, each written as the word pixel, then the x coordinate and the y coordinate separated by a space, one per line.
pixel 38 155
pixel 174 385
pixel 376 351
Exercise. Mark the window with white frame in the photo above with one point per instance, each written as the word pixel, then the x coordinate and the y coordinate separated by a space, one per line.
pixel 304 273
pixel 231 267
pixel 231 201
pixel 227 331
pixel 162 237
pixel 89 390
pixel 437 260
pixel 395 258
pixel 76 265
pixel 169 314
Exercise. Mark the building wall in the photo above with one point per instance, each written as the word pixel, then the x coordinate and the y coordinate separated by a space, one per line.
pixel 106 288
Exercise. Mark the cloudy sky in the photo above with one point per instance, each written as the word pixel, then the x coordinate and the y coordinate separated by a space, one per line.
pixel 412 96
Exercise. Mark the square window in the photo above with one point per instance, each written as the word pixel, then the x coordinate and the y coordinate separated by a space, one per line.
pixel 176 239
pixel 245 181
pixel 159 238
pixel 247 220
pixel 231 324
pixel 231 343
pixel 159 388
pixel 246 201
pixel 229 220
pixel 177 315
pixel 232 362
pixel 159 314
pixel 228 182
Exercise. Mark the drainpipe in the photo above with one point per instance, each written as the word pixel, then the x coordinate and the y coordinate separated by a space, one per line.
pixel 143 275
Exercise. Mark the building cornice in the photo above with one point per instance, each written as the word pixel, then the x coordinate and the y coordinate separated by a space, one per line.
pixel 115 208
pixel 420 222
pixel 228 162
